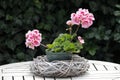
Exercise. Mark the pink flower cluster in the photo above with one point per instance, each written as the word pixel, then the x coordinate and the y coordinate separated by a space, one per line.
pixel 33 38
pixel 83 17
pixel 81 40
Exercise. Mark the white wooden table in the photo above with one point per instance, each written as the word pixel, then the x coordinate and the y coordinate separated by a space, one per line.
pixel 98 71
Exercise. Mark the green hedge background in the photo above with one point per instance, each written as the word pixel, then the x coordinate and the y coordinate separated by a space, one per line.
pixel 50 16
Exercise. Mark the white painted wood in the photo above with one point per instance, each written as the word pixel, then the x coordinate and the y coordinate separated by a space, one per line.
pixel 17 65
pixel 49 78
pixel 118 78
pixel 0 77
pixel 110 68
pixel 103 62
pixel 91 79
pixel 105 71
pixel 102 72
pixel 18 77
pixel 38 78
pixel 17 74
pixel 0 71
pixel 28 78
pixel 16 70
pixel 99 67
pixel 118 67
pixel 92 68
pixel 63 79
pixel 7 78
pixel 97 76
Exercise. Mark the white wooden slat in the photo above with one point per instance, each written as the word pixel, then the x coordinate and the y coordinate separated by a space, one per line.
pixel 63 79
pixel 17 65
pixel 103 62
pixel 0 77
pixel 38 78
pixel 17 74
pixel 7 78
pixel 100 76
pixel 103 72
pixel 118 67
pixel 110 68
pixel 24 66
pixel 91 78
pixel 28 78
pixel 99 67
pixel 49 78
pixel 18 77
pixel 92 68
pixel 16 70
pixel 0 71
pixel 117 78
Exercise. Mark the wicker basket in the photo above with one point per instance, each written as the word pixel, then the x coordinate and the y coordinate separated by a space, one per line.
pixel 66 68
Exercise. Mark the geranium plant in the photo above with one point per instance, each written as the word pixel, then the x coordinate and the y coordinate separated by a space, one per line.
pixel 65 42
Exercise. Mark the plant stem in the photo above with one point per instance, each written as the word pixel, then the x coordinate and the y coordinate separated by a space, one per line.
pixel 77 29
pixel 70 29
pixel 43 45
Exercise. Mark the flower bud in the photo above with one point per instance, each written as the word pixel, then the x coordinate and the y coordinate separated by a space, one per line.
pixel 69 23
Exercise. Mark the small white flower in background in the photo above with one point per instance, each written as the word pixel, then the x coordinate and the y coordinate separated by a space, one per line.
pixel 81 40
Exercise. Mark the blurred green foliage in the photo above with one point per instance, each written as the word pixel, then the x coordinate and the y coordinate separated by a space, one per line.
pixel 49 16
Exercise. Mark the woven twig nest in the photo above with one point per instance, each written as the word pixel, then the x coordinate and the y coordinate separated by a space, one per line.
pixel 66 68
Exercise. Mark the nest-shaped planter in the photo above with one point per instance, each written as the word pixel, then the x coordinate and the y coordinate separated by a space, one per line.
pixel 64 68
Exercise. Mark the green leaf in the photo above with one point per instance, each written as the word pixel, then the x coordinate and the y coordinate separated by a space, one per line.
pixel 18 21
pixel 118 6
pixel 50 19
pixel 90 35
pixel 2 13
pixel 92 52
pixel 93 5
pixel 77 3
pixel 47 27
pixel 11 44
pixel 57 49
pixel 117 36
pixel 118 21
pixel 49 46
pixel 68 46
pixel 9 17
pixel 1 57
pixel 37 3
pixel 19 38
pixel 20 56
pixel 91 48
pixel 97 36
pixel 106 37
pixel 117 13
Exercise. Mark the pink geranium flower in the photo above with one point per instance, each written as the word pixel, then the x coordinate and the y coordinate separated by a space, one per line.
pixel 75 19
pixel 86 23
pixel 83 17
pixel 33 39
